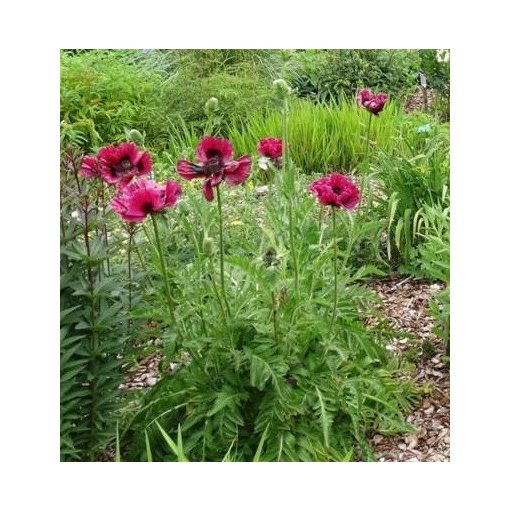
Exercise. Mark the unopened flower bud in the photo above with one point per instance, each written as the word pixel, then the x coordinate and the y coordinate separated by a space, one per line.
pixel 136 137
pixel 281 88
pixel 211 106
pixel 208 246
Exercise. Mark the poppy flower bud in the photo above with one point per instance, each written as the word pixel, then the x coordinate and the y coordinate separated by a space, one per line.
pixel 208 246
pixel 211 106
pixel 281 88
pixel 136 137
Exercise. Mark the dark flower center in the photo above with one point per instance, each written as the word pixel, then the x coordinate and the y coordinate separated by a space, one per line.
pixel 147 207
pixel 213 153
pixel 336 190
pixel 214 163
pixel 125 165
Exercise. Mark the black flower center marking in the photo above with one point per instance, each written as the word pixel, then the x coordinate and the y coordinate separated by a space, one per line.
pixel 125 165
pixel 147 207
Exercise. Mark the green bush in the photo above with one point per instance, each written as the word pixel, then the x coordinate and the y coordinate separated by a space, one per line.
pixel 101 95
pixel 240 96
pixel 411 179
pixel 105 92
pixel 327 74
pixel 436 66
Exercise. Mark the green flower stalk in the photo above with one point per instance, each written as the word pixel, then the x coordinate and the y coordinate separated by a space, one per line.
pixel 338 192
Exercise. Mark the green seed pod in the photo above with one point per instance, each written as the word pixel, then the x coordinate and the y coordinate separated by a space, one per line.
pixel 208 246
pixel 211 106
pixel 281 88
pixel 136 137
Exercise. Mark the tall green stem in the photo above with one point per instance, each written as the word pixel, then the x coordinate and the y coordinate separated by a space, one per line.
pixel 130 276
pixel 368 136
pixel 290 198
pixel 222 267
pixel 275 320
pixel 168 294
pixel 335 269
pixel 292 245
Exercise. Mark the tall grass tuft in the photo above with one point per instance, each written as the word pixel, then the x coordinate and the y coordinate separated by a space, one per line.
pixel 323 136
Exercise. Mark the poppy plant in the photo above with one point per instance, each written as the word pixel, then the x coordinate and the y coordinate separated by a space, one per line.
pixel 119 165
pixel 271 148
pixel 336 190
pixel 215 164
pixel 139 199
pixel 90 168
pixel 374 103
pixel 135 201
pixel 339 192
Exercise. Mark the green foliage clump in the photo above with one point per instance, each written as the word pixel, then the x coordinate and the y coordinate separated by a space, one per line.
pixel 436 66
pixel 411 180
pixel 93 334
pixel 239 97
pixel 101 95
pixel 274 369
pixel 329 74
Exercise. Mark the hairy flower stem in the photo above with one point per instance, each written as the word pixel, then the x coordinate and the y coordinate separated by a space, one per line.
pixel 289 195
pixel 131 232
pixel 275 318
pixel 368 137
pixel 292 246
pixel 335 269
pixel 162 265
pixel 222 268
pixel 217 294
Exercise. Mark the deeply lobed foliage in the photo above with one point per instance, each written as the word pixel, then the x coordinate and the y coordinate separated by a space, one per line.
pixel 278 367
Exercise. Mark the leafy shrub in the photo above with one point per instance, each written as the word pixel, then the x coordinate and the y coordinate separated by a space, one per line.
pixel 240 96
pixel 329 74
pixel 432 227
pixel 207 62
pixel 408 183
pixel 101 95
pixel 105 92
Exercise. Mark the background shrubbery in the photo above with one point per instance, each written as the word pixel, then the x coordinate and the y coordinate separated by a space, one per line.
pixel 331 74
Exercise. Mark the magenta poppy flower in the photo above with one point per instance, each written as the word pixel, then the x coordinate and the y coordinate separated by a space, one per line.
pixel 135 201
pixel 336 190
pixel 118 165
pixel 215 164
pixel 270 148
pixel 90 168
pixel 374 103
